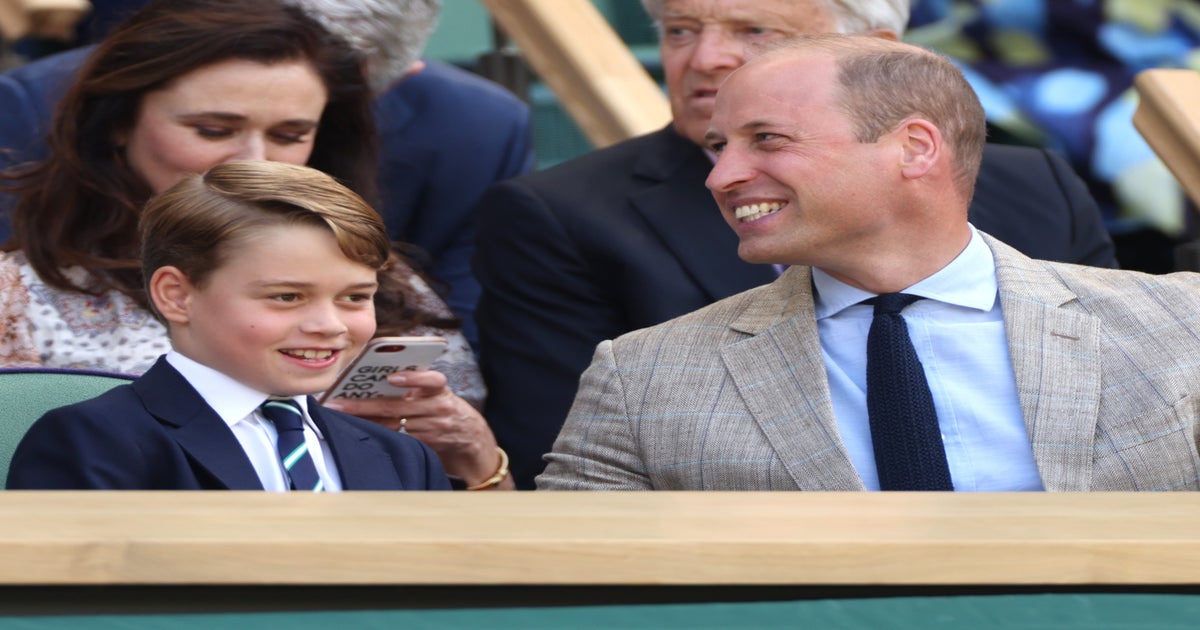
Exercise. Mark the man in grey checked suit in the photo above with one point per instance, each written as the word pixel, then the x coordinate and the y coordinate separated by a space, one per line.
pixel 852 160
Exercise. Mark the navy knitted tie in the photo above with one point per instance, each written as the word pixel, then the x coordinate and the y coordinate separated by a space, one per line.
pixel 909 453
pixel 293 451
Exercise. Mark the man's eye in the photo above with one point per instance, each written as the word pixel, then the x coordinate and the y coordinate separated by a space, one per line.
pixel 756 31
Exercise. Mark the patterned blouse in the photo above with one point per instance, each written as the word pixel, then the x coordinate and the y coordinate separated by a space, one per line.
pixel 44 326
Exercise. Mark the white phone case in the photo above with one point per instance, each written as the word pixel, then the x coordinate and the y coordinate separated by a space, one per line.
pixel 366 376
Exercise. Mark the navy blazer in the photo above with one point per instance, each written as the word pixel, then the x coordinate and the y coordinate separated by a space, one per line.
pixel 628 237
pixel 157 433
pixel 445 135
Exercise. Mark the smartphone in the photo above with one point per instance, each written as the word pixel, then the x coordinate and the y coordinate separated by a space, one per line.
pixel 366 376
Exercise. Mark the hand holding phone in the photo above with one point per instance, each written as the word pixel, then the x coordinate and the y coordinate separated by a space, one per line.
pixel 366 376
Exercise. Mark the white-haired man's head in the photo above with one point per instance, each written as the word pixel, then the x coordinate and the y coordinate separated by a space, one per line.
pixel 702 41
pixel 389 33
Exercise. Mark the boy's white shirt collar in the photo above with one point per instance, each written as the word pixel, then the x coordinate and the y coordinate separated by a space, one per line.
pixel 232 400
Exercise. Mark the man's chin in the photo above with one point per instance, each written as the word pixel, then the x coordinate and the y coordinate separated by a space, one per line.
pixel 693 127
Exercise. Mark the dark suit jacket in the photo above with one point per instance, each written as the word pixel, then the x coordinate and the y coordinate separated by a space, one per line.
pixel 157 433
pixel 445 135
pixel 628 237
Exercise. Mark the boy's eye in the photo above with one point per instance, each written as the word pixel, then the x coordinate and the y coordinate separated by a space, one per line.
pixel 286 297
pixel 360 297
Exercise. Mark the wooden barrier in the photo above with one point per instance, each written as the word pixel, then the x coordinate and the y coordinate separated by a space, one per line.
pixel 42 18
pixel 1168 117
pixel 664 538
pixel 575 51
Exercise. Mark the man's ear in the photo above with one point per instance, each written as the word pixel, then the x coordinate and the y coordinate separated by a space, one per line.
pixel 921 147
pixel 171 292
pixel 414 68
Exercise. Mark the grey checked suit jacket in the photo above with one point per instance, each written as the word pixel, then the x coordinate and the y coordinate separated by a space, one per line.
pixel 735 397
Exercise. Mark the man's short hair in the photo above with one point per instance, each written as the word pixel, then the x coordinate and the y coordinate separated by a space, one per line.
pixel 880 83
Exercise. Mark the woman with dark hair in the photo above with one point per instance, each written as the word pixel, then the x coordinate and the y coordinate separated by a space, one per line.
pixel 180 87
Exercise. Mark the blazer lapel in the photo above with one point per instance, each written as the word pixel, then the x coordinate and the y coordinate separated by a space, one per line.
pixel 199 431
pixel 1056 360
pixel 362 464
pixel 780 373
pixel 681 211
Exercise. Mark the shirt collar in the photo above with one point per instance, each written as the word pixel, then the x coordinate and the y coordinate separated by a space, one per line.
pixel 232 400
pixel 968 281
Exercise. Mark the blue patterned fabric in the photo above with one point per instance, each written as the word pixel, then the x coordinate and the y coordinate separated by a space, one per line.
pixel 1059 74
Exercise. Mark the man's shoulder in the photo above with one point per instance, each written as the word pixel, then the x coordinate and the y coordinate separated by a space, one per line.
pixel 44 78
pixel 1008 161
pixel 1127 288
pixel 441 85
pixel 723 320
pixel 608 170
pixel 1098 290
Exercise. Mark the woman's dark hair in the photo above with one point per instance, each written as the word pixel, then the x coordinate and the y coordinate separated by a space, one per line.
pixel 81 205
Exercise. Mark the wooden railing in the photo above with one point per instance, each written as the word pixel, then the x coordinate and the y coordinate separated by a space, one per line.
pixel 608 94
pixel 589 538
pixel 1168 117
pixel 44 18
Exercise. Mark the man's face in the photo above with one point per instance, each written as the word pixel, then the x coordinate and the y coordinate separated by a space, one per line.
pixel 790 178
pixel 704 40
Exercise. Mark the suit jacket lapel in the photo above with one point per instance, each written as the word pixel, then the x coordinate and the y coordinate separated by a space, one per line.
pixel 683 214
pixel 361 463
pixel 208 441
pixel 1056 360
pixel 780 373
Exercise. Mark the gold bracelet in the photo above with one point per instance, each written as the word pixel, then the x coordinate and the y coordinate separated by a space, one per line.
pixel 500 475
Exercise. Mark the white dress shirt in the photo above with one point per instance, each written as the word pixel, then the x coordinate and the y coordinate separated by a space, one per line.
pixel 958 334
pixel 237 405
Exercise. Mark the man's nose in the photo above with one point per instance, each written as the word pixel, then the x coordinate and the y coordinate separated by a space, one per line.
pixel 717 50
pixel 730 170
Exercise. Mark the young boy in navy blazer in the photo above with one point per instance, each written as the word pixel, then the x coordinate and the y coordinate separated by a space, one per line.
pixel 264 274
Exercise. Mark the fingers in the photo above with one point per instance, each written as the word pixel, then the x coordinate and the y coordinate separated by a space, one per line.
pixel 421 383
pixel 389 411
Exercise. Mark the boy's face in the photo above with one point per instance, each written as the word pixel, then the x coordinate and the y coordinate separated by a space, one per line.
pixel 283 315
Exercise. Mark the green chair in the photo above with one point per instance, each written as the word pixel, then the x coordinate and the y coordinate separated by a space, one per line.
pixel 27 393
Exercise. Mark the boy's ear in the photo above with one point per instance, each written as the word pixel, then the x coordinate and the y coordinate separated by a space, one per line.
pixel 171 292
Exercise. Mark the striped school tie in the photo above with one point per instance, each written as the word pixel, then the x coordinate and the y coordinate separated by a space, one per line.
pixel 293 451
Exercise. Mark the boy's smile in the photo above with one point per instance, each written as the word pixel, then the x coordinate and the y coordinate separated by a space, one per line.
pixel 284 313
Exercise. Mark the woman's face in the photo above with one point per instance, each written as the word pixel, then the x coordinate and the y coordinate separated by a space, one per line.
pixel 229 110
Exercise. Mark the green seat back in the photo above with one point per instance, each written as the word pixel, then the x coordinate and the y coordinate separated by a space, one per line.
pixel 26 394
